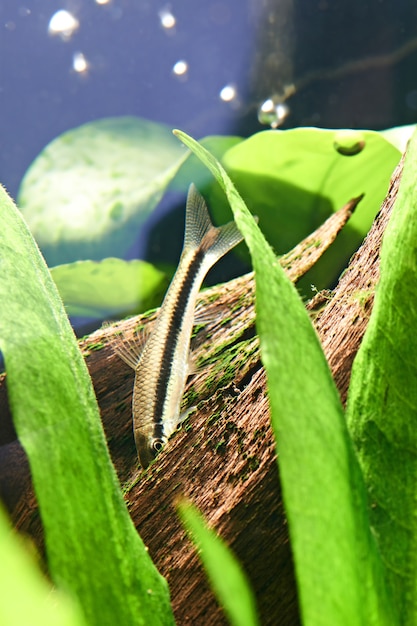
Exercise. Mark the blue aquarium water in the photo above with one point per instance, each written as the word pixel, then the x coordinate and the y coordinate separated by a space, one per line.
pixel 215 67
pixel 204 67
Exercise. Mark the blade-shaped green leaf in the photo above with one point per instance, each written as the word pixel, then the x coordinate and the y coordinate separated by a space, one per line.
pixel 25 597
pixel 225 574
pixel 193 169
pixel 92 546
pixel 382 405
pixel 89 191
pixel 109 288
pixel 339 573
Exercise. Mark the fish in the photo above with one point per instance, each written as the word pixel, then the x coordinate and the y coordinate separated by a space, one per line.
pixel 162 364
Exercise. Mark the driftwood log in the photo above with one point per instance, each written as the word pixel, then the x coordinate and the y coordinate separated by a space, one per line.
pixel 223 458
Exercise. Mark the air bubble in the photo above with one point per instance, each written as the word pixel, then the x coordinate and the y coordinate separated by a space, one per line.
pixel 273 112
pixel 228 93
pixel 80 63
pixel 63 24
pixel 167 18
pixel 180 69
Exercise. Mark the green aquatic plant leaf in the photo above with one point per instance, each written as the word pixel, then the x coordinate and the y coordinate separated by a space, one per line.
pixel 224 572
pixel 89 191
pixel 382 401
pixel 294 179
pixel 399 136
pixel 93 549
pixel 339 572
pixel 26 597
pixel 193 170
pixel 109 288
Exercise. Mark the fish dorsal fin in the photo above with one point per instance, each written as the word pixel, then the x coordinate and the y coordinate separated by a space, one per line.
pixel 129 349
pixel 200 232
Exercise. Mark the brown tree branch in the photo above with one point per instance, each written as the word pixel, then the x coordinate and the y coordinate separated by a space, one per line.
pixel 342 322
pixel 223 458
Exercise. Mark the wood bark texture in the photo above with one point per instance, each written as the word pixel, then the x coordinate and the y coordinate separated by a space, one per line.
pixel 223 458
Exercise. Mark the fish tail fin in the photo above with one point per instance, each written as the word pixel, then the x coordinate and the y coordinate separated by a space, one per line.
pixel 200 234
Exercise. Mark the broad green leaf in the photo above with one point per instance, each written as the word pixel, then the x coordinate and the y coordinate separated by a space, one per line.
pixel 382 404
pixel 225 574
pixel 26 597
pixel 109 288
pixel 399 136
pixel 339 573
pixel 294 179
pixel 93 549
pixel 89 191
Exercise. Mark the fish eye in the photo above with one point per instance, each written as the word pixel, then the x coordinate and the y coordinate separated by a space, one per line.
pixel 157 445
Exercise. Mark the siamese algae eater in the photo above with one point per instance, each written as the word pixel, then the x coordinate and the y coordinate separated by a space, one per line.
pixel 162 367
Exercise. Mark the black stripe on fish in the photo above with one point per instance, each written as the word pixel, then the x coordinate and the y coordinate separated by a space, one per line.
pixel 174 330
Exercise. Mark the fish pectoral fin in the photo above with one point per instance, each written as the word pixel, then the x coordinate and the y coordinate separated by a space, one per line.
pixel 192 366
pixel 183 416
pixel 128 349
pixel 171 425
